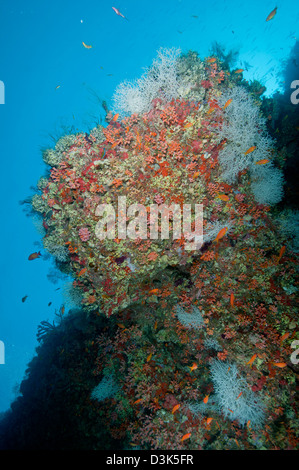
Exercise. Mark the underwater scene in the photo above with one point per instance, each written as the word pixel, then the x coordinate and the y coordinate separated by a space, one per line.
pixel 150 225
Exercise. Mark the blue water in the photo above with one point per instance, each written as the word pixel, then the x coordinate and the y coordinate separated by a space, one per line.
pixel 41 48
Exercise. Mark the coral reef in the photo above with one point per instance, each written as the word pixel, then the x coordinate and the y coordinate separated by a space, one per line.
pixel 197 339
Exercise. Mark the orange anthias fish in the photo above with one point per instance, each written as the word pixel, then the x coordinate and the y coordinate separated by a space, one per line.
pixel 221 234
pixel 83 271
pixel 86 46
pixel 285 336
pixel 211 60
pixel 34 256
pixel 239 71
pixel 232 298
pixel 137 401
pixel 175 408
pixel 189 124
pixel 186 436
pixel 272 14
pixel 115 117
pixel 155 291
pixel 227 103
pixel 251 149
pixel 193 367
pixel 239 395
pixel 281 365
pixel 281 253
pixel 149 357
pixel 209 420
pixel 262 162
pixel 206 399
pixel 223 197
pixel 252 359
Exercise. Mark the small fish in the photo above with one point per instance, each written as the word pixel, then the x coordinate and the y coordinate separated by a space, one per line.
pixel 189 124
pixel 252 359
pixel 186 436
pixel 206 399
pixel 239 71
pixel 221 234
pixel 281 365
pixel 228 370
pixel 115 117
pixel 137 401
pixel 24 298
pixel 285 336
pixel 86 46
pixel 262 162
pixel 149 357
pixel 119 13
pixel 223 197
pixel 209 420
pixel 34 256
pixel 251 149
pixel 58 86
pixel 155 291
pixel 281 253
pixel 211 60
pixel 155 325
pixel 227 103
pixel 175 408
pixel 232 298
pixel 239 395
pixel 83 271
pixel 272 14
pixel 62 309
pixel 49 304
pixel 193 367
pixel 248 424
pixel 121 325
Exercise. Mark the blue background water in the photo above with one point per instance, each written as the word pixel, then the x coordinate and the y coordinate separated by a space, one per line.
pixel 41 48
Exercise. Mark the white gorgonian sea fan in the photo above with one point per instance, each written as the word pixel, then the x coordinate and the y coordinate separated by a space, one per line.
pixel 158 81
pixel 234 397
pixel 244 128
